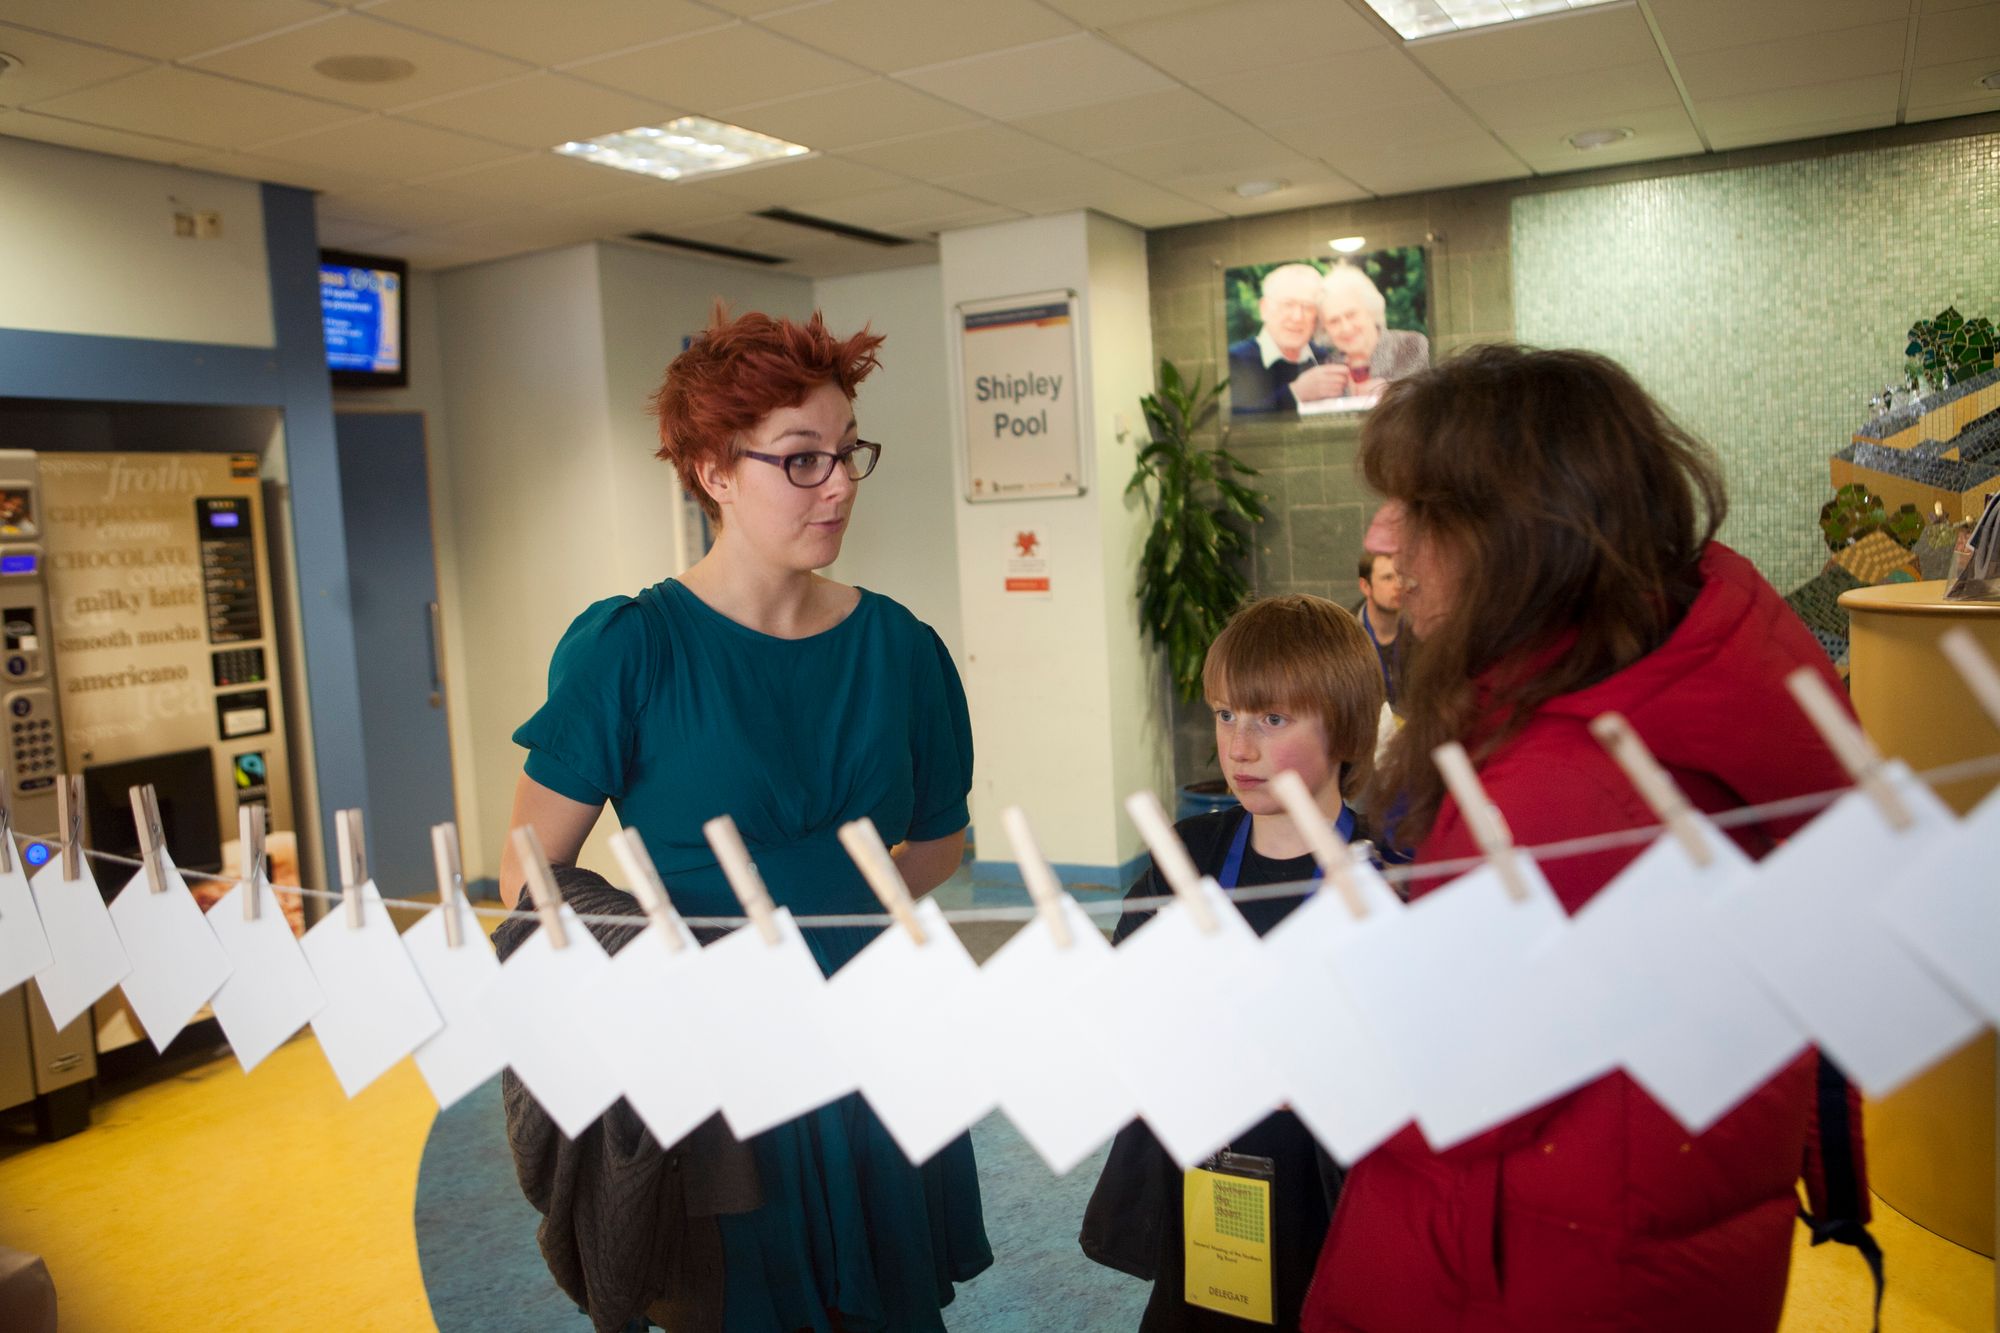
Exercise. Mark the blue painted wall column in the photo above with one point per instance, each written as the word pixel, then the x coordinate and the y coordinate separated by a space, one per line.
pixel 319 538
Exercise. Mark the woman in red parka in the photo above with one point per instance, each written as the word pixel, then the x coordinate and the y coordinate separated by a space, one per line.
pixel 1556 533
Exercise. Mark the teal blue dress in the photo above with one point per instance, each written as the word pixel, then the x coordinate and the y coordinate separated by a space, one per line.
pixel 675 713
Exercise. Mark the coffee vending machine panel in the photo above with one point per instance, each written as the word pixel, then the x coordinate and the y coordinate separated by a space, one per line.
pixel 37 1063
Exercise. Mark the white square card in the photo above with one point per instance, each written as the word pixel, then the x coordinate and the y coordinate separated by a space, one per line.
pixel 271 992
pixel 85 957
pixel 24 948
pixel 176 962
pixel 648 1032
pixel 377 1010
pixel 537 1006
pixel 466 1052
pixel 1946 907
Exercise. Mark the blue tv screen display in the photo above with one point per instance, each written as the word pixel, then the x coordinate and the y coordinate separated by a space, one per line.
pixel 363 312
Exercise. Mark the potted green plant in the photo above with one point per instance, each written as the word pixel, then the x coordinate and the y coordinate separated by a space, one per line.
pixel 1191 572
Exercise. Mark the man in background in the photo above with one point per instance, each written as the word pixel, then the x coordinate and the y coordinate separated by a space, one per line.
pixel 1381 613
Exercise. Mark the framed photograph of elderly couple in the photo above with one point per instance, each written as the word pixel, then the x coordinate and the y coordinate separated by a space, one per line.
pixel 1317 338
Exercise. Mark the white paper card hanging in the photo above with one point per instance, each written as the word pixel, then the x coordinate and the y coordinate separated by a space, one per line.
pixel 650 1007
pixel 1048 1067
pixel 85 957
pixel 536 1006
pixel 1946 907
pixel 1695 1027
pixel 1197 1077
pixel 1338 1078
pixel 177 965
pixel 900 1008
pixel 271 992
pixel 466 1052
pixel 769 1046
pixel 24 948
pixel 377 1010
pixel 1445 992
pixel 1808 923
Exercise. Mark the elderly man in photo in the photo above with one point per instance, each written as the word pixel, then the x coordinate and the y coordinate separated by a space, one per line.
pixel 1262 369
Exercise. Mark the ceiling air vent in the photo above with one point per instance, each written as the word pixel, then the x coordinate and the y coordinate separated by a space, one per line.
pixel 831 227
pixel 706 247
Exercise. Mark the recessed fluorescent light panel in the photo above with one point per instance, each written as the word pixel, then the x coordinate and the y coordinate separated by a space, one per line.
pixel 690 146
pixel 1429 18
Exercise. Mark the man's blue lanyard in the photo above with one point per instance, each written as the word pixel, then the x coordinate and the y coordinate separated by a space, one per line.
pixel 1232 865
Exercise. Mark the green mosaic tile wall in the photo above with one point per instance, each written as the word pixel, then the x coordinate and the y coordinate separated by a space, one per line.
pixel 1764 305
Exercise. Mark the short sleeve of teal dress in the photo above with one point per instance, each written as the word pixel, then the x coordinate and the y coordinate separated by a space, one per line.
pixel 674 714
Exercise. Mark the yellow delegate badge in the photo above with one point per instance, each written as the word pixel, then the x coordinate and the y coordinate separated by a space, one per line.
pixel 1226 1223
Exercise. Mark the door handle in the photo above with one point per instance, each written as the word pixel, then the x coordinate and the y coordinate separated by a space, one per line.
pixel 434 622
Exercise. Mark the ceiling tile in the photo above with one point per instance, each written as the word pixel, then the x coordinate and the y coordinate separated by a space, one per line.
pixel 1540 48
pixel 540 110
pixel 1658 133
pixel 1959 34
pixel 401 207
pixel 199 108
pixel 1454 162
pixel 1941 6
pixel 1111 13
pixel 531 180
pixel 1133 122
pixel 1246 35
pixel 1871 100
pixel 842 117
pixel 95 138
pixel 1575 101
pixel 660 206
pixel 1047 76
pixel 925 156
pixel 1337 190
pixel 899 208
pixel 1755 136
pixel 1217 188
pixel 1363 88
pixel 340 234
pixel 542 33
pixel 723 67
pixel 387 149
pixel 1145 205
pixel 163 29
pixel 257 167
pixel 1812 58
pixel 1047 187
pixel 1693 26
pixel 801 181
pixel 1246 153
pixel 287 59
pixel 903 34
pixel 47 67
pixel 1954 85
pixel 751 9
pixel 1327 137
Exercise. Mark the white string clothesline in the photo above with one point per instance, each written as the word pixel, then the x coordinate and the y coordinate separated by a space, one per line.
pixel 1581 846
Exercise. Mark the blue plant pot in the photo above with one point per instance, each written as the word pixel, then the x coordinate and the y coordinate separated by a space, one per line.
pixel 1201 798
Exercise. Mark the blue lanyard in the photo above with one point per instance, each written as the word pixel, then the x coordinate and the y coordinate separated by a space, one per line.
pixel 1232 865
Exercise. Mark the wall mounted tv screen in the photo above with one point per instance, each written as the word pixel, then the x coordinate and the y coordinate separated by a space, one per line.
pixel 366 319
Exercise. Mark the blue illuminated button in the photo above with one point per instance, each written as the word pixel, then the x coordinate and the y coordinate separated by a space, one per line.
pixel 36 854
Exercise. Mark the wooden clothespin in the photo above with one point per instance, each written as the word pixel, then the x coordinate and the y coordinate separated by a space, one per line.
pixel 1982 677
pixel 152 838
pixel 250 836
pixel 6 819
pixel 1488 825
pixel 450 880
pixel 741 872
pixel 541 885
pixel 1667 801
pixel 1335 857
pixel 1172 859
pixel 637 862
pixel 864 844
pixel 1037 874
pixel 353 854
pixel 69 817
pixel 1850 745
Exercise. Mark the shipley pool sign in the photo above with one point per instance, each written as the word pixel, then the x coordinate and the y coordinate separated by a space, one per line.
pixel 1022 439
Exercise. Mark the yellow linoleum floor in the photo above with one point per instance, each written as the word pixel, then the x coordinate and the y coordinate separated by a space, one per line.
pixel 207 1200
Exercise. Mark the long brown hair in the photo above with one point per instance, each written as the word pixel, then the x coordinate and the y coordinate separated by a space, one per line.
pixel 1575 512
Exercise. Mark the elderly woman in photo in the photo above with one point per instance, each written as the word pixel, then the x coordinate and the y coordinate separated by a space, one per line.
pixel 1357 352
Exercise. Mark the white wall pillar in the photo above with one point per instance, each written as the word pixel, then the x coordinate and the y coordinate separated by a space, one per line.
pixel 1066 699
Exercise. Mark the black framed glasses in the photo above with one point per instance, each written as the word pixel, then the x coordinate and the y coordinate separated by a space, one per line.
pixel 812 467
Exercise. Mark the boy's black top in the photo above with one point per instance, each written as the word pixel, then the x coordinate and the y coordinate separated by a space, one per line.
pixel 1133 1221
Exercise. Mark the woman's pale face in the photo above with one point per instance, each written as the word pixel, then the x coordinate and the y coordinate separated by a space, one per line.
pixel 795 527
pixel 1350 329
pixel 1428 570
